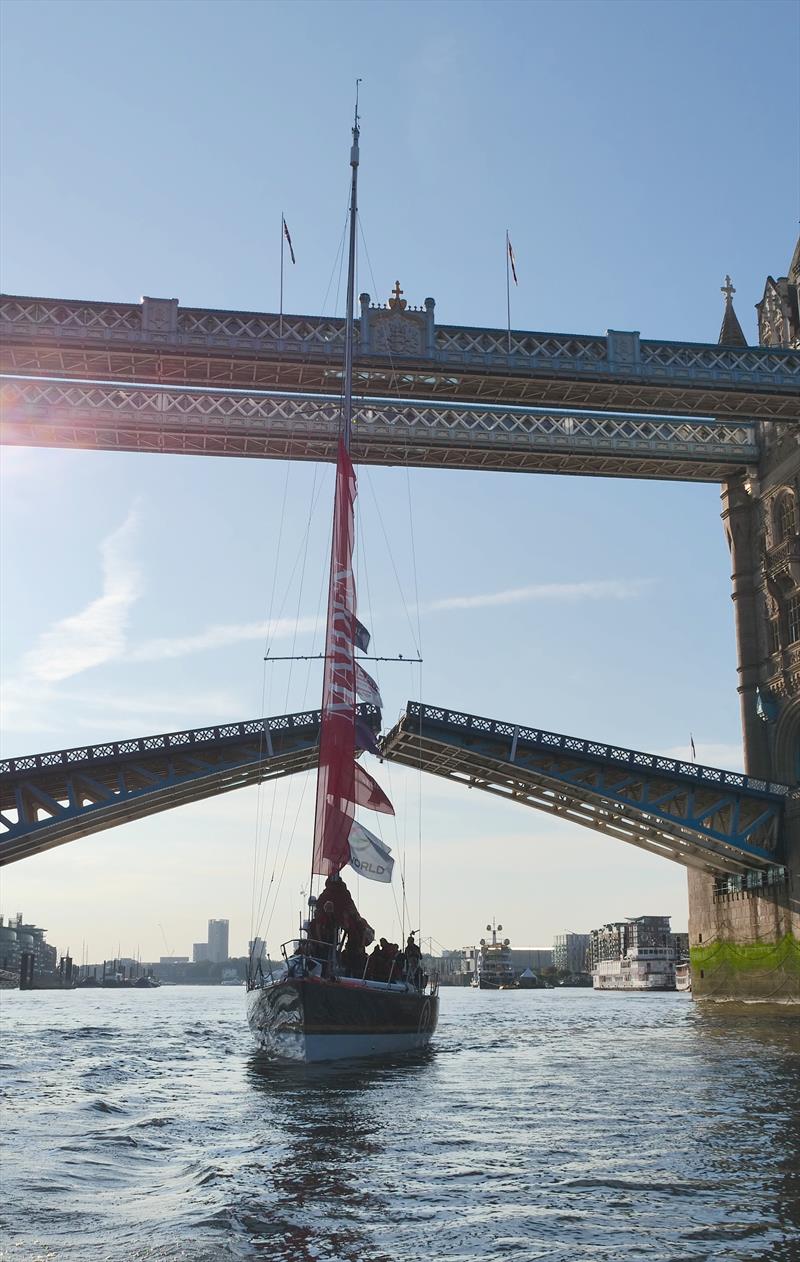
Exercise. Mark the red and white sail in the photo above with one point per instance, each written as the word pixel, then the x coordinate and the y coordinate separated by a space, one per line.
pixel 341 782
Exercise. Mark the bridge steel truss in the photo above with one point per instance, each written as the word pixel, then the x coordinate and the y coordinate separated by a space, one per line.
pixel 156 340
pixel 156 377
pixel 723 822
pixel 40 412
pixel 48 799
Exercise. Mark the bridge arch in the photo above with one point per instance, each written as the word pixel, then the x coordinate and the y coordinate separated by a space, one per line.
pixel 787 743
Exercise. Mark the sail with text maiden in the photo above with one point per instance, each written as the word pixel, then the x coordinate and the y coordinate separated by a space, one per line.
pixel 342 784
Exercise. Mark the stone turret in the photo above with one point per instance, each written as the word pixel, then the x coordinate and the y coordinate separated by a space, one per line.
pixel 745 935
pixel 779 309
pixel 731 332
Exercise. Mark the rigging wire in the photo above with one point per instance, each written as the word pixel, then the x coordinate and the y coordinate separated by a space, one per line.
pixel 400 849
pixel 264 895
pixel 405 441
pixel 339 254
pixel 271 625
pixel 287 796
pixel 264 705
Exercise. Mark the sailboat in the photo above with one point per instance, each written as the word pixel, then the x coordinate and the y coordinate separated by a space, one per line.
pixel 329 1000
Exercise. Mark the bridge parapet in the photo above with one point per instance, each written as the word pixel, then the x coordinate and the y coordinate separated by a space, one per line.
pixel 721 822
pixel 405 349
pixel 81 756
pixel 694 772
pixel 51 798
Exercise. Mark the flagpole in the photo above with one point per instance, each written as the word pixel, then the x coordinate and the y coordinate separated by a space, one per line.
pixel 508 295
pixel 280 318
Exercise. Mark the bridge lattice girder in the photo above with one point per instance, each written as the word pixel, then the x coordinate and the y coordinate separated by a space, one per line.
pixel 430 433
pixel 48 799
pixel 720 821
pixel 157 341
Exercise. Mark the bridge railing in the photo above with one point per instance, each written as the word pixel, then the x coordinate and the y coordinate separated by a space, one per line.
pixel 185 738
pixel 697 773
pixel 163 322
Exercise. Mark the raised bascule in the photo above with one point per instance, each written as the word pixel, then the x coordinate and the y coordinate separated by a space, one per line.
pixel 156 377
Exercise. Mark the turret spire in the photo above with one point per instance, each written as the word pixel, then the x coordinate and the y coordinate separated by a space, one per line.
pixel 731 332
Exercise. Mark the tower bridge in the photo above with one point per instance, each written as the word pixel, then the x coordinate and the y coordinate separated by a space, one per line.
pixel 720 822
pixel 157 377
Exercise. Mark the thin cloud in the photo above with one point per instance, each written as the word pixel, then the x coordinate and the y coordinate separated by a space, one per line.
pixel 219 637
pixel 599 589
pixel 722 754
pixel 59 716
pixel 96 634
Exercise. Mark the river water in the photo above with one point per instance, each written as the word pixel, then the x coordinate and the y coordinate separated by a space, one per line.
pixel 560 1125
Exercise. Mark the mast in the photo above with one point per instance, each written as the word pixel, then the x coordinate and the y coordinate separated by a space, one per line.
pixel 335 795
pixel 347 405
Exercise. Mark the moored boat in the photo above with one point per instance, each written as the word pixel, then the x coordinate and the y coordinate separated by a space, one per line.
pixel 495 970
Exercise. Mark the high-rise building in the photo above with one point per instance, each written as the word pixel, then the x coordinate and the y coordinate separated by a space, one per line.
pixel 569 952
pixel 200 953
pixel 218 941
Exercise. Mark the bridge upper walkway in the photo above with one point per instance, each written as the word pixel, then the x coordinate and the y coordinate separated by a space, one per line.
pixel 721 821
pixel 156 340
pixel 301 426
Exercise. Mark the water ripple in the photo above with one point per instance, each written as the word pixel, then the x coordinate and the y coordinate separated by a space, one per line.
pixel 564 1126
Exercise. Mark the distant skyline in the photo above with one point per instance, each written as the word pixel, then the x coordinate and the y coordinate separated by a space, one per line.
pixel 638 153
pixel 78 947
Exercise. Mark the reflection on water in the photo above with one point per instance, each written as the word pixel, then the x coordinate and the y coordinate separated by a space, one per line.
pixel 557 1125
pixel 334 1122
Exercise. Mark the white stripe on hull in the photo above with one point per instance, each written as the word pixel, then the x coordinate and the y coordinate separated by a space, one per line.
pixel 312 1048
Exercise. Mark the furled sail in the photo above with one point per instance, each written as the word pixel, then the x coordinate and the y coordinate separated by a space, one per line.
pixel 341 782
pixel 335 778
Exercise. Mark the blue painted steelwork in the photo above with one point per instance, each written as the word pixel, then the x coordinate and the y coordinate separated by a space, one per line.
pixel 159 340
pixel 722 821
pixel 48 799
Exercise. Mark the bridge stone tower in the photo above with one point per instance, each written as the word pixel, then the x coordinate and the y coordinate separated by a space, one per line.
pixel 745 938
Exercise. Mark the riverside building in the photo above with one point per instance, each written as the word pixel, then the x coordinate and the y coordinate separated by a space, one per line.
pixel 18 939
pixel 635 954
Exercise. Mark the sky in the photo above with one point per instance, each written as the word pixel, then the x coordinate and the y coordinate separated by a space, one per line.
pixel 637 152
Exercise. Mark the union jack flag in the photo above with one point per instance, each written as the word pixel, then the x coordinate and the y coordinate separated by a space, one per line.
pixel 289 240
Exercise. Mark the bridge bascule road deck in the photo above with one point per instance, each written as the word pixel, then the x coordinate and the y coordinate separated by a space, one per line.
pixel 720 821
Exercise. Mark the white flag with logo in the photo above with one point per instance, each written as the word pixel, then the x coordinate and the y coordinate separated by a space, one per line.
pixel 369 856
pixel 366 687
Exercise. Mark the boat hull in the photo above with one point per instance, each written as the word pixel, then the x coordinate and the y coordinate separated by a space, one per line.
pixel 307 1019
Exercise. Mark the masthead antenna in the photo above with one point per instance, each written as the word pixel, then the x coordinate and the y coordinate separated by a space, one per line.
pixel 347 401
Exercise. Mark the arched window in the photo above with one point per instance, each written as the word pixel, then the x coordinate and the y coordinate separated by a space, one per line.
pixel 786 517
pixel 793 617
